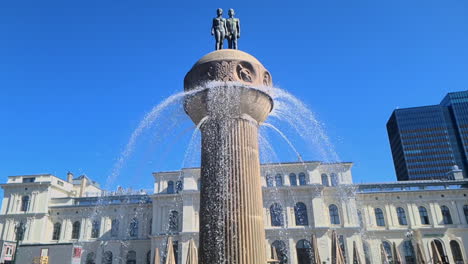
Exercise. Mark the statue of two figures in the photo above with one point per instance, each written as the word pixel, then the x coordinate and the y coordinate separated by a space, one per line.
pixel 226 28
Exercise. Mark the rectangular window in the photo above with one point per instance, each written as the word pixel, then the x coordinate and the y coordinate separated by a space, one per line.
pixel 31 179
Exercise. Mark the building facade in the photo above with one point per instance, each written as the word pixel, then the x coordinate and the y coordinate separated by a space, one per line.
pixel 74 221
pixel 426 142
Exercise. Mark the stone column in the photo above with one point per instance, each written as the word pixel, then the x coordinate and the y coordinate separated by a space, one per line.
pixel 229 112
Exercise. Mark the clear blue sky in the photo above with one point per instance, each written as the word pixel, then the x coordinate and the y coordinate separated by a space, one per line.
pixel 76 77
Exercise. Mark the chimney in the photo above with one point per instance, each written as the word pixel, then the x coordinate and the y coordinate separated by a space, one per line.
pixel 69 177
pixel 83 185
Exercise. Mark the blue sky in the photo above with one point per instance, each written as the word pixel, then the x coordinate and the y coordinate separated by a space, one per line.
pixel 76 77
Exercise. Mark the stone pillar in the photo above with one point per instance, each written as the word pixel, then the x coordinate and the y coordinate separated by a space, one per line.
pixel 229 112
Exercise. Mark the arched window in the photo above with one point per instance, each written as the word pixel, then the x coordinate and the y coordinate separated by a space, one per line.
pixel 148 257
pixel 456 252
pixel 95 229
pixel 334 215
pixel 90 258
pixel 20 228
pixel 447 218
pixel 388 251
pixel 279 180
pixel 423 215
pixel 292 179
pixel 269 180
pixel 304 252
pixel 281 251
pixel 440 248
pixel 133 228
pixel 179 186
pixel 170 187
pixel 173 221
pixel 325 180
pixel 115 227
pixel 334 179
pixel 276 215
pixel 107 257
pixel 302 179
pixel 56 232
pixel 409 252
pixel 300 212
pixel 24 203
pixel 401 216
pixel 76 230
pixel 379 217
pixel 131 257
pixel 465 211
pixel 342 246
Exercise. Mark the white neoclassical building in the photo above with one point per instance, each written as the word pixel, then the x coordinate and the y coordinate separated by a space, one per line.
pixel 74 221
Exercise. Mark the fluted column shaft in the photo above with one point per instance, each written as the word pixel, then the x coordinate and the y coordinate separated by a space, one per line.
pixel 231 208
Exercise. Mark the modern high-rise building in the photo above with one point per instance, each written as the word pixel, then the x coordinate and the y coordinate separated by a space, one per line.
pixel 428 141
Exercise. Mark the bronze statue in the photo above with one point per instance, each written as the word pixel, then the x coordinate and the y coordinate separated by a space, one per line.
pixel 219 29
pixel 233 29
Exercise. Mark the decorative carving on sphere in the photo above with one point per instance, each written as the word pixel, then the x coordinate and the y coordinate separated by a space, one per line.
pixel 222 71
pixel 267 79
pixel 245 72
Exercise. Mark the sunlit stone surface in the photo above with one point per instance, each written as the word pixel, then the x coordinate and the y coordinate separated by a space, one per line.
pixel 230 105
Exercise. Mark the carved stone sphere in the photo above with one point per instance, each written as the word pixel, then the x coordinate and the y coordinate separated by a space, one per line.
pixel 227 65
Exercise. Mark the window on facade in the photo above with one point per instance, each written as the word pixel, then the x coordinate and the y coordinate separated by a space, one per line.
pixel 133 228
pixel 131 257
pixel 292 179
pixel 279 180
pixel 465 212
pixel 95 229
pixel 304 252
pixel 409 252
pixel 325 180
pixel 456 252
pixel 199 184
pixel 300 212
pixel 334 215
pixel 150 226
pixel 387 252
pixel 173 221
pixel 281 251
pixel 379 217
pixel 342 246
pixel 114 228
pixel 423 215
pixel 26 180
pixel 76 230
pixel 401 216
pixel 446 217
pixel 107 257
pixel 91 258
pixel 334 179
pixel 269 181
pixel 148 257
pixel 302 179
pixel 24 203
pixel 276 215
pixel 179 186
pixel 20 228
pixel 440 249
pixel 170 187
pixel 56 232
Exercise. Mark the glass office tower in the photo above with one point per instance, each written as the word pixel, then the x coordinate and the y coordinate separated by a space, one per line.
pixel 428 141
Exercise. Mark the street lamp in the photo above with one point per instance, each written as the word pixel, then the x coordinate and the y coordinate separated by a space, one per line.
pixel 19 232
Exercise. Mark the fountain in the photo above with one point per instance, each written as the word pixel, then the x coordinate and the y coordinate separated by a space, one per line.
pixel 229 112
